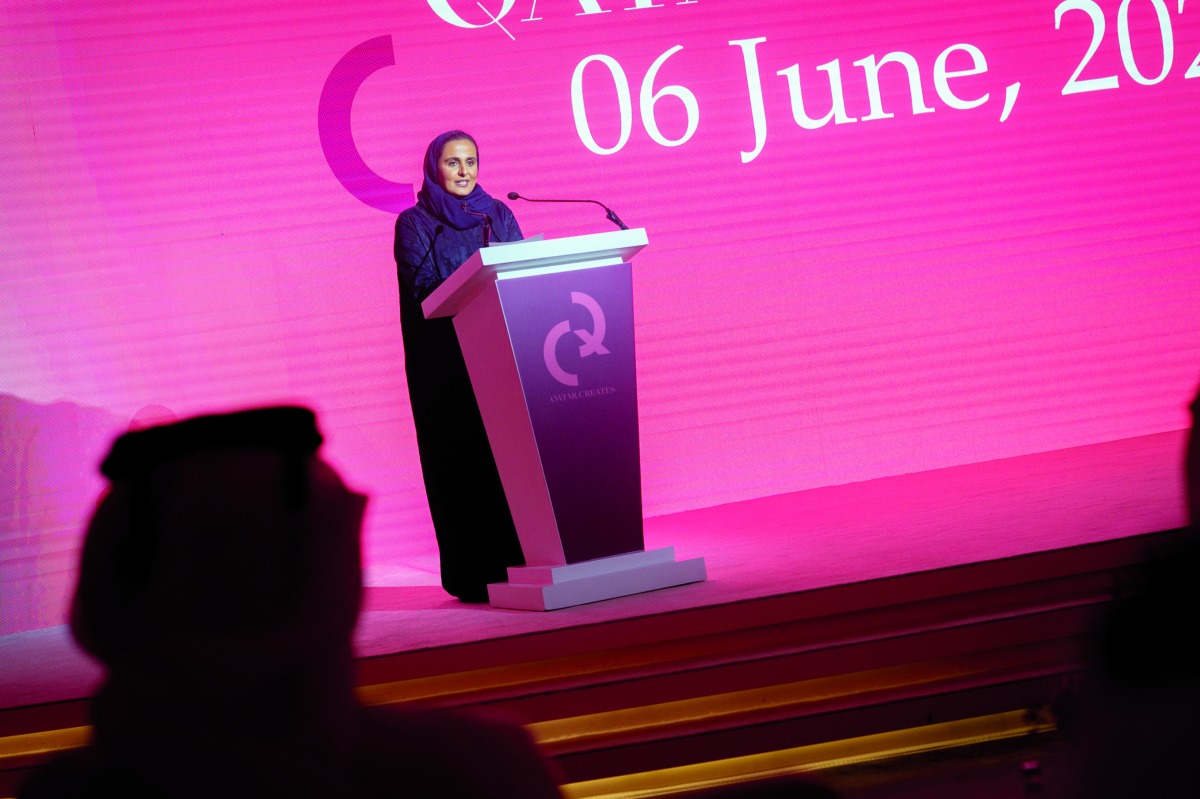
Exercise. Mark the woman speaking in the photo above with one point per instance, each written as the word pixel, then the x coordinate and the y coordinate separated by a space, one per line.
pixel 452 219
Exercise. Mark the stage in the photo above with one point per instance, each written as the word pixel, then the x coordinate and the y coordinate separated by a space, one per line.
pixel 857 610
pixel 915 324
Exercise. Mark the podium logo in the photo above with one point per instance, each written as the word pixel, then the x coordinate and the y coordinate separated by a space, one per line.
pixel 592 341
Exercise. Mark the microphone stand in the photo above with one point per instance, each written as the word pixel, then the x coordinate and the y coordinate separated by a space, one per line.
pixel 437 231
pixel 610 214
pixel 487 224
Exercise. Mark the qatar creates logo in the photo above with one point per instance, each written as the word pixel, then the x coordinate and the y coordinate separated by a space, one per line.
pixel 593 342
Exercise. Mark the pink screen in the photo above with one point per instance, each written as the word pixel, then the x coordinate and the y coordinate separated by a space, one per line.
pixel 884 237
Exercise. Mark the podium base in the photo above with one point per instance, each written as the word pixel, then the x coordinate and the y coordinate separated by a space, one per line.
pixel 554 587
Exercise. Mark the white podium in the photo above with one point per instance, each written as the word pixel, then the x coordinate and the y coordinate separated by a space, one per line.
pixel 546 330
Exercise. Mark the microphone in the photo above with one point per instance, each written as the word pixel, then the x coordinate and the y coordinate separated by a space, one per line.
pixel 487 224
pixel 611 214
pixel 437 231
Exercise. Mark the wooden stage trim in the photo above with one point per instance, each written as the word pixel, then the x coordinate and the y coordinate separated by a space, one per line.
pixel 751 677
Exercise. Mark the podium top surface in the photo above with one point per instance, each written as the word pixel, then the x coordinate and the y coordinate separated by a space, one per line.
pixel 531 257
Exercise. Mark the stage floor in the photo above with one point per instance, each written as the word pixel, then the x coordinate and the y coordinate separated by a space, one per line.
pixel 766 547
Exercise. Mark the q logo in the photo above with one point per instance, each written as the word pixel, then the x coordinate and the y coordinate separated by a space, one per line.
pixel 337 140
pixel 593 342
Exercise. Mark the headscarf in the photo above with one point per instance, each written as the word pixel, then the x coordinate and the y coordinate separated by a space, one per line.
pixel 443 206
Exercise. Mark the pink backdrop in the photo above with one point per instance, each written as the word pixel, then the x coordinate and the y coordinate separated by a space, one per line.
pixel 988 250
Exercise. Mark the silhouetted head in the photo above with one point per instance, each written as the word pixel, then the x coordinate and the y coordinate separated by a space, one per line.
pixel 224 546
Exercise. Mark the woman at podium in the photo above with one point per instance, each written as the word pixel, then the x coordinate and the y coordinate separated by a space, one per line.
pixel 452 219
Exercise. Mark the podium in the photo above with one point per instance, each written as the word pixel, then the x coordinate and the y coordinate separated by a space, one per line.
pixel 546 330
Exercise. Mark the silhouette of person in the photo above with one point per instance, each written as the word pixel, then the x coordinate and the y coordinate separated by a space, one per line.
pixel 219 585
pixel 1140 723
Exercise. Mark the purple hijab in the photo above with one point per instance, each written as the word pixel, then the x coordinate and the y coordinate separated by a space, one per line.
pixel 445 207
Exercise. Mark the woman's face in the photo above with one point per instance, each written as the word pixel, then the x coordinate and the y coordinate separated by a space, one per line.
pixel 458 167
